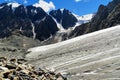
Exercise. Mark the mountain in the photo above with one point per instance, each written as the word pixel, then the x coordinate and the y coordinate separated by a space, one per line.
pixel 83 19
pixel 33 22
pixel 64 17
pixel 55 26
pixel 105 17
pixel 28 21
pixel 94 56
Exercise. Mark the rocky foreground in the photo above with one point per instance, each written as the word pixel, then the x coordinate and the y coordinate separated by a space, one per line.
pixel 16 69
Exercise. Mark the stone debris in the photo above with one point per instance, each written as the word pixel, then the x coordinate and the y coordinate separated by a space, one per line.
pixel 16 69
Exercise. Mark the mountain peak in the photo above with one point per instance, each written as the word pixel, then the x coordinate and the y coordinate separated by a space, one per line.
pixel 34 22
pixel 62 9
pixel 106 16
pixel 64 17
pixel 14 4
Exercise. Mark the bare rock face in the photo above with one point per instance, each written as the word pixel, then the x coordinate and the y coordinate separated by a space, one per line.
pixel 64 17
pixel 106 16
pixel 28 21
pixel 112 4
pixel 33 22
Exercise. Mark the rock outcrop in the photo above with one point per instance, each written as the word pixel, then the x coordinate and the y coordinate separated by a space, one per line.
pixel 28 21
pixel 16 69
pixel 106 16
pixel 64 17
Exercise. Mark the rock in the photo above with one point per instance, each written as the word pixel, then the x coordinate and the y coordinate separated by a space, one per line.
pixel 23 20
pixel 3 61
pixel 106 16
pixel 3 78
pixel 13 61
pixel 60 78
pixel 14 70
pixel 11 66
pixel 21 61
pixel 3 68
pixel 64 17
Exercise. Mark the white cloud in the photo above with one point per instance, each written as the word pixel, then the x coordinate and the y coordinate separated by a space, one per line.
pixel 46 6
pixel 25 1
pixel 78 0
pixel 82 0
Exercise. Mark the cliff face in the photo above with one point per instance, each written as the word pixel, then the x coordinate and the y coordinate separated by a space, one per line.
pixel 106 16
pixel 28 21
pixel 64 17
pixel 33 22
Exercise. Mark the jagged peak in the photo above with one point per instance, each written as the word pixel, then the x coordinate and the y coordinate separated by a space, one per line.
pixel 62 9
pixel 14 4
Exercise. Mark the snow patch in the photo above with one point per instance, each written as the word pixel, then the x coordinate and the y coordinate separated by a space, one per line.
pixel 83 19
pixel 35 11
pixel 33 30
pixel 62 10
pixel 21 29
pixel 1 7
pixel 14 4
pixel 58 25
pixel 43 19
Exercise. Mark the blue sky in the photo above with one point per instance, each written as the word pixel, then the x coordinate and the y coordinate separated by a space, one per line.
pixel 80 7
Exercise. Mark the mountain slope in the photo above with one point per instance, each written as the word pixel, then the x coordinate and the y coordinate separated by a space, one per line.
pixel 64 17
pixel 30 22
pixel 93 56
pixel 33 22
pixel 105 17
pixel 26 20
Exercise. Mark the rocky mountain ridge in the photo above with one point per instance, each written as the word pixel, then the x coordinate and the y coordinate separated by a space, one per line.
pixel 33 22
pixel 106 16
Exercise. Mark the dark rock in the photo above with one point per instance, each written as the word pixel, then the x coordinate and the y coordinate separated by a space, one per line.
pixel 48 27
pixel 24 72
pixel 107 16
pixel 23 19
pixel 65 18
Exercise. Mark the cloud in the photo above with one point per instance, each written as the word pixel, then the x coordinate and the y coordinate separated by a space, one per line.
pixel 25 1
pixel 46 6
pixel 78 0
pixel 82 0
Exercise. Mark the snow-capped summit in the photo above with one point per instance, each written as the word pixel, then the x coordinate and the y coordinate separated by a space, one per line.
pixel 62 9
pixel 13 4
pixel 83 19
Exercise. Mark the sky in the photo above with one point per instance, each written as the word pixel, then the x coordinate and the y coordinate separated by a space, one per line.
pixel 79 7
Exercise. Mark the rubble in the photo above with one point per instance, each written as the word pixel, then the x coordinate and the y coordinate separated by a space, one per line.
pixel 15 69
